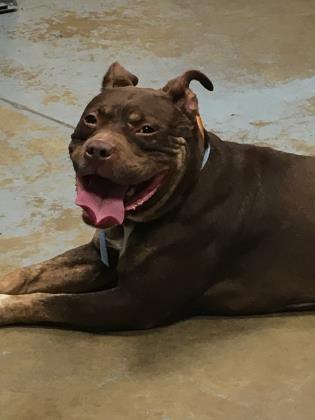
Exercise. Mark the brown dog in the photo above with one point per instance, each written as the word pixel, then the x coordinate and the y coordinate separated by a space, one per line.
pixel 237 237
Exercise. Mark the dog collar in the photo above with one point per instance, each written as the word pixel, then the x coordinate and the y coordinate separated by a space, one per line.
pixel 206 156
pixel 103 248
pixel 103 242
pixel 202 133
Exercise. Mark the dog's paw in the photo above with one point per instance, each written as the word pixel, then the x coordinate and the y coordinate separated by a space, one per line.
pixel 11 282
pixel 5 308
pixel 3 300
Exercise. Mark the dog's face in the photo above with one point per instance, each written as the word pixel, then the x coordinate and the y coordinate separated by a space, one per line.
pixel 133 148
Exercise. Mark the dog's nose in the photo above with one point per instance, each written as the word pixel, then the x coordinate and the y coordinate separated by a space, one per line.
pixel 98 149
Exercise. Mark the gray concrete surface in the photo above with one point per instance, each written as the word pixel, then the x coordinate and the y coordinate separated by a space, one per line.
pixel 260 56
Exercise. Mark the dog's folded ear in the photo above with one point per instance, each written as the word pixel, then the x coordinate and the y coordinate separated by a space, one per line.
pixel 178 90
pixel 118 76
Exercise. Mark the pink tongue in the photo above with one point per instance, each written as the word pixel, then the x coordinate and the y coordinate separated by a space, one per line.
pixel 103 202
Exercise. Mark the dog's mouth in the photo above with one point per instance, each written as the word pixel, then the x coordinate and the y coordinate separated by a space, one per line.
pixel 106 203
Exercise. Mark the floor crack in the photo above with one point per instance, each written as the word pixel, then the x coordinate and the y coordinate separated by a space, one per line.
pixel 33 111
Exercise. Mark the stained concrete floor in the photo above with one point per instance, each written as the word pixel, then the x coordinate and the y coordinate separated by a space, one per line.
pixel 260 56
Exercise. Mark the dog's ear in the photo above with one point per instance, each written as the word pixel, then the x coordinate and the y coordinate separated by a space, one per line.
pixel 117 76
pixel 182 96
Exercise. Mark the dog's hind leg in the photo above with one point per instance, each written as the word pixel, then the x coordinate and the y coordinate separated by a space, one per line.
pixel 76 271
pixel 233 298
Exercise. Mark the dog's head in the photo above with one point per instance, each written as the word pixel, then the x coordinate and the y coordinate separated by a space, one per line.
pixel 135 150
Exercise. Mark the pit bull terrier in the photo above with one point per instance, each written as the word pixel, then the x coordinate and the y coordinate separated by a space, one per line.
pixel 186 224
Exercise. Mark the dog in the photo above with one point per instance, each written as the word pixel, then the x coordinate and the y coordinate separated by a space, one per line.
pixel 187 224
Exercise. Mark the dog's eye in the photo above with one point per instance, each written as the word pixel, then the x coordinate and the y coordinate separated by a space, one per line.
pixel 146 129
pixel 90 120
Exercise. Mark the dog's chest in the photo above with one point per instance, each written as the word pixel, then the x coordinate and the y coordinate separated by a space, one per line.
pixel 118 237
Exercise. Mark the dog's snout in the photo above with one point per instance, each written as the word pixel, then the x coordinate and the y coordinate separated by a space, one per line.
pixel 98 149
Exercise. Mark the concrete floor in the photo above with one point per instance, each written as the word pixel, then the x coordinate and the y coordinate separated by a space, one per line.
pixel 260 56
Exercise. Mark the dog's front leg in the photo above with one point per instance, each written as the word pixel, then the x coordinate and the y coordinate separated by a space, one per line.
pixel 76 271
pixel 107 310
